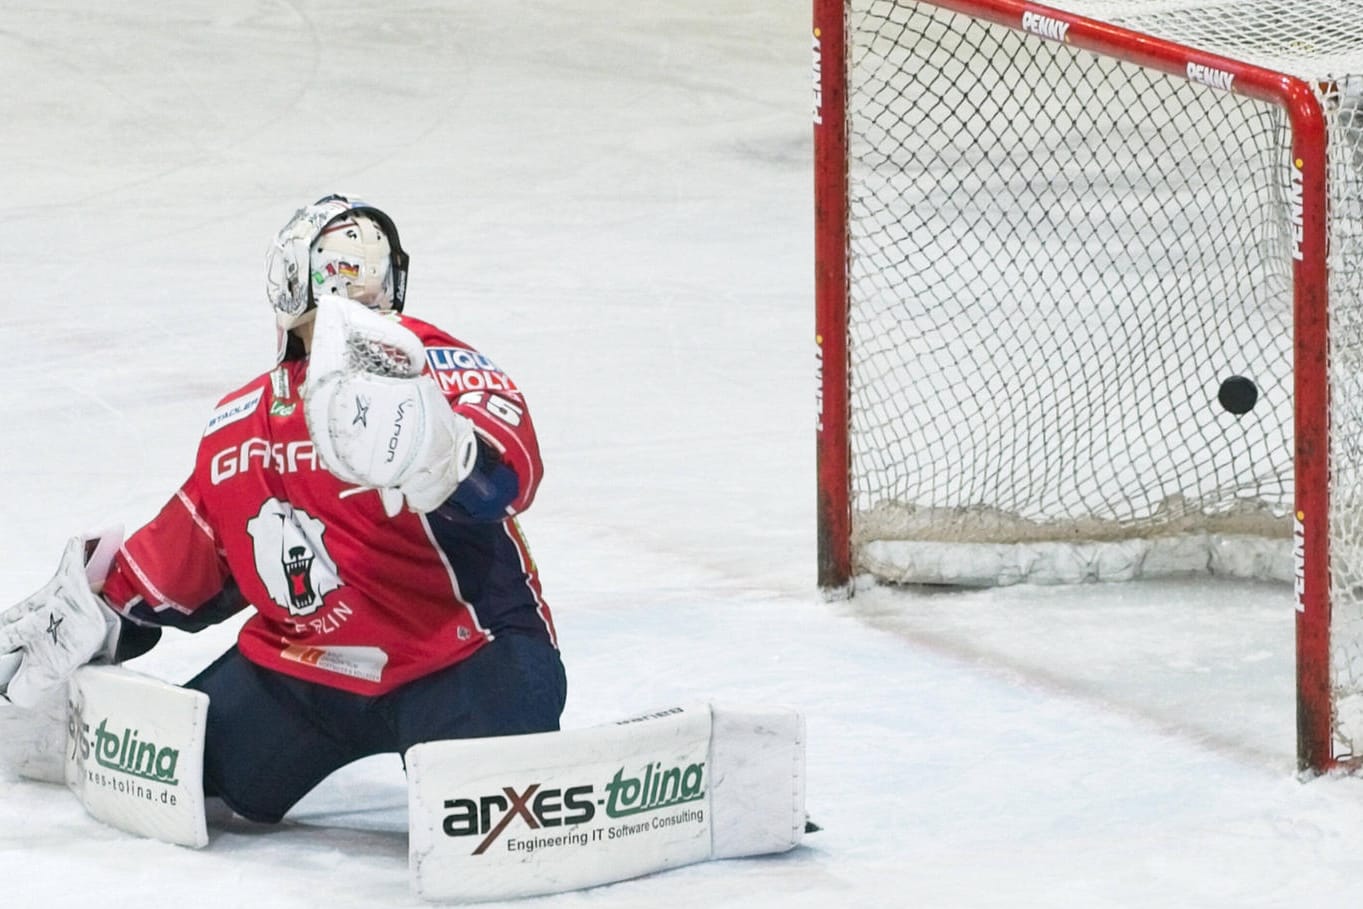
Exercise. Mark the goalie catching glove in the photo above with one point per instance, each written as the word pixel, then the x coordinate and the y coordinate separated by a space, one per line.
pixel 63 626
pixel 375 420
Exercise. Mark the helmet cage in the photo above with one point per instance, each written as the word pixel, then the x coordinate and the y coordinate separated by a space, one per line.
pixel 288 262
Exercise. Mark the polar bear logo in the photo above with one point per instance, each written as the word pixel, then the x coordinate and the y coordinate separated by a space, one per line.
pixel 291 557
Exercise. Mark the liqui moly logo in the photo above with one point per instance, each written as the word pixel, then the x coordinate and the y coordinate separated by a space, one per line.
pixel 459 370
pixel 1045 26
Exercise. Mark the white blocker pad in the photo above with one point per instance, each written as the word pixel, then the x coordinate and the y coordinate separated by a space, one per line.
pixel 134 753
pixel 518 816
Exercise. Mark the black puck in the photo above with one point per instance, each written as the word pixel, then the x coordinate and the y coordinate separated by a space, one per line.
pixel 1238 395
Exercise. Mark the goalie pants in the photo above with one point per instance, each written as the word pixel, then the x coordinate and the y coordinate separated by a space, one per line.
pixel 271 738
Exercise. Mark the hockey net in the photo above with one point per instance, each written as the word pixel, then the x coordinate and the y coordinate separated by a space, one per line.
pixel 1080 295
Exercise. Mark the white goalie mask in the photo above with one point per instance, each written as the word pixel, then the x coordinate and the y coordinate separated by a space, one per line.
pixel 352 258
pixel 336 246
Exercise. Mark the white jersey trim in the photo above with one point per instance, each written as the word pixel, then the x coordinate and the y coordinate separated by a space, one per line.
pixel 195 516
pixel 151 588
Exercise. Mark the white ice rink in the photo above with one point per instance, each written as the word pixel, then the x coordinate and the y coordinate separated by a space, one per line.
pixel 612 200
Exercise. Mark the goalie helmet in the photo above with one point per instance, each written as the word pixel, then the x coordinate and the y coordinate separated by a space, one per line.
pixel 337 245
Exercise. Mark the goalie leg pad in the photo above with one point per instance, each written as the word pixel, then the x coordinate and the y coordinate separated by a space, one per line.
pixel 757 773
pixel 134 753
pixel 518 816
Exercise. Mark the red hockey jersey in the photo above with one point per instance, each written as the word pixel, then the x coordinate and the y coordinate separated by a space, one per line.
pixel 344 595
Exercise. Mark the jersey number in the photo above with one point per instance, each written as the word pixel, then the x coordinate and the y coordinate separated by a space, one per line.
pixel 496 405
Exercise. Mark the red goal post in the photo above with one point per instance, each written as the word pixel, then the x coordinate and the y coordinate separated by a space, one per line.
pixel 1300 103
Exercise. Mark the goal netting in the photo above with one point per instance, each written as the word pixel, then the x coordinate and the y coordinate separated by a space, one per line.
pixel 1073 291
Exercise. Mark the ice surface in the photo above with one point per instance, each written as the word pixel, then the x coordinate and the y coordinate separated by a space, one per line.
pixel 614 202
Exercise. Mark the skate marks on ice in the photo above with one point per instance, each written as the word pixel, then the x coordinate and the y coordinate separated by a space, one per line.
pixel 1208 662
